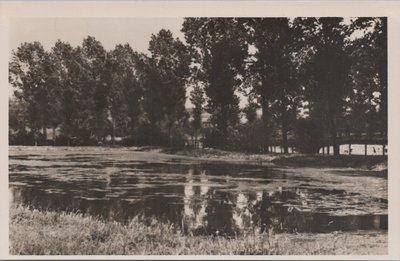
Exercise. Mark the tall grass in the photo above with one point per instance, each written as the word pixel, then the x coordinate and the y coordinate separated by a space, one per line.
pixel 34 232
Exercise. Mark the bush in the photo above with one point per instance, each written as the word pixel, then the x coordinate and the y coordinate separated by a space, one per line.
pixel 309 136
pixel 214 139
pixel 21 138
pixel 247 138
pixel 148 135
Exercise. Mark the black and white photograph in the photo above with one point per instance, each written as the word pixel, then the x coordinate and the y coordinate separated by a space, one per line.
pixel 184 135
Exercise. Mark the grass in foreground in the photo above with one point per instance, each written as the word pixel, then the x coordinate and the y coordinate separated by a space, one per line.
pixel 33 232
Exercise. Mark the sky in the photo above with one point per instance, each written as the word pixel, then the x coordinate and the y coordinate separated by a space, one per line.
pixel 109 31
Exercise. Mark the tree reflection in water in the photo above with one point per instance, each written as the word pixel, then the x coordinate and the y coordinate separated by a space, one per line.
pixel 206 198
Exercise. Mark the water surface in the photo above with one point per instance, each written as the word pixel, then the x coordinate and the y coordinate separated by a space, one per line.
pixel 202 197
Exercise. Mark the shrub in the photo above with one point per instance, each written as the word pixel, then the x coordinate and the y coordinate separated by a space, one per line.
pixel 309 136
pixel 21 138
pixel 248 137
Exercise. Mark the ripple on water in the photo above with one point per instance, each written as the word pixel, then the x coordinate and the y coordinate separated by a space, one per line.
pixel 215 196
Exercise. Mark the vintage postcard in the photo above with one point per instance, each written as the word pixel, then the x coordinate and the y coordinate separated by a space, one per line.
pixel 200 130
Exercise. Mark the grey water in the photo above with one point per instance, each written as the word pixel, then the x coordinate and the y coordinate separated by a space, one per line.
pixel 204 197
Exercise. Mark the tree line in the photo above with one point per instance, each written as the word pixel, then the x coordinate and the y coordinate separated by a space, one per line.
pixel 307 81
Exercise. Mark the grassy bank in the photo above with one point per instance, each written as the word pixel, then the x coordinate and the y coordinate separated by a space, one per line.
pixel 378 163
pixel 50 233
pixel 216 154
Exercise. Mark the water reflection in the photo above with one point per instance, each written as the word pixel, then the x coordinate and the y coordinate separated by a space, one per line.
pixel 202 198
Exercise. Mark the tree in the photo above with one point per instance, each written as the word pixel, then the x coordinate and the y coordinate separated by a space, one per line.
pixel 165 74
pixel 379 38
pixel 31 73
pixel 309 136
pixel 251 111
pixel 17 116
pixel 368 101
pixel 218 49
pixel 98 83
pixel 274 72
pixel 17 123
pixel 125 92
pixel 327 71
pixel 197 98
pixel 74 97
pixel 65 88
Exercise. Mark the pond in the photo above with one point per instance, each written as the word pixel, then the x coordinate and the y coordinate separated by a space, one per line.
pixel 204 197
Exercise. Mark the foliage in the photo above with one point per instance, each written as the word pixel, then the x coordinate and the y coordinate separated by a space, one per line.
pixel 327 71
pixel 247 137
pixel 218 48
pixel 309 136
pixel 331 70
pixel 88 93
pixel 250 111
pixel 368 101
pixel 164 85
pixel 31 73
pixel 126 91
pixel 197 99
pixel 274 71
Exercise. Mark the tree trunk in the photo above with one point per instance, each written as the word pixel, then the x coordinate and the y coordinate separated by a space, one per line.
pixel 284 126
pixel 335 144
pixel 222 127
pixel 264 107
pixel 285 142
pixel 35 136
pixel 68 140
pixel 132 132
pixel 195 139
pixel 44 135
pixel 113 132
pixel 333 136
pixel 169 136
pixel 54 136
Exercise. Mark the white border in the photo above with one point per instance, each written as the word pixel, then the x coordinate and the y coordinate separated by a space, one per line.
pixel 391 9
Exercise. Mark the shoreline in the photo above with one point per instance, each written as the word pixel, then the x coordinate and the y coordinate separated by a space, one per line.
pixel 374 163
pixel 377 164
